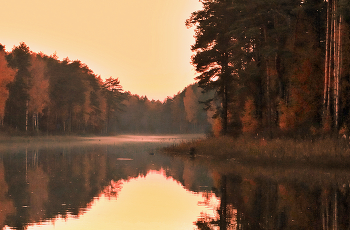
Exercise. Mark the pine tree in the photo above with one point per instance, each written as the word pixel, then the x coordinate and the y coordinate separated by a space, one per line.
pixel 212 48
pixel 112 91
pixel 333 61
pixel 16 108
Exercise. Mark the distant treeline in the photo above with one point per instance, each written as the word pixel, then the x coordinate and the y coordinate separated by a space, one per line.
pixel 277 66
pixel 182 113
pixel 41 94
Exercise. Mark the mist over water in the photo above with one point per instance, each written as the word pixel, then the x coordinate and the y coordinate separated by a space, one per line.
pixel 125 182
pixel 100 183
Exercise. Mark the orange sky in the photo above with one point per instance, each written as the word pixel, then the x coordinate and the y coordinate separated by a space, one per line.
pixel 144 43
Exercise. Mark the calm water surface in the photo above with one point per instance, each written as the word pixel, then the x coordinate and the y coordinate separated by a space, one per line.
pixel 102 183
pixel 125 183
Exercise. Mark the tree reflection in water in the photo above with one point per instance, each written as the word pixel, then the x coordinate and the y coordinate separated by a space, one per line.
pixel 39 186
pixel 263 204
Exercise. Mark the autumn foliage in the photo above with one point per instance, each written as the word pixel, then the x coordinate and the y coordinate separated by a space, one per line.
pixel 265 67
pixel 248 118
pixel 41 94
pixel 285 60
pixel 7 75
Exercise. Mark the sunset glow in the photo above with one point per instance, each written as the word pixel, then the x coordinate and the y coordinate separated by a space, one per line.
pixel 143 43
pixel 151 202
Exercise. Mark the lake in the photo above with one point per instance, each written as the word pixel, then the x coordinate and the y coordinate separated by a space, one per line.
pixel 125 182
pixel 102 183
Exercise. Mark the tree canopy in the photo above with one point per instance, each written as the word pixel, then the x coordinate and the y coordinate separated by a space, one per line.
pixel 267 59
pixel 41 94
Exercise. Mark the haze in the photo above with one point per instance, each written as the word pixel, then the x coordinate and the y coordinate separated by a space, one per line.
pixel 144 43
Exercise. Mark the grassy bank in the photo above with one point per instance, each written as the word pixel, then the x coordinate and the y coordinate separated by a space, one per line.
pixel 319 162
pixel 321 153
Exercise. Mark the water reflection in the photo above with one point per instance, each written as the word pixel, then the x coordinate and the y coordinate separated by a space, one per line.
pixel 90 187
pixel 146 202
pixel 262 203
pixel 131 186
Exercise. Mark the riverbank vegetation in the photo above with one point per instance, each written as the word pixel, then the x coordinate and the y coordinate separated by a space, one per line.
pixel 225 152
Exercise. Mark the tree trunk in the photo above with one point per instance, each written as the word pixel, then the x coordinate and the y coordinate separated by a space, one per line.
pixel 335 66
pixel 225 105
pixel 225 80
pixel 327 61
pixel 223 204
pixel 268 97
pixel 331 55
pixel 339 66
pixel 107 122
pixel 335 211
pixel 27 114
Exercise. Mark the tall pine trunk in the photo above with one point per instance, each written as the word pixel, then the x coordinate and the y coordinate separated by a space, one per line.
pixel 268 96
pixel 338 71
pixel 326 64
pixel 333 65
pixel 225 99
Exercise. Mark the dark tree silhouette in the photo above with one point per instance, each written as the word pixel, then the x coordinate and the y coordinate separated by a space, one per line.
pixel 16 108
pixel 114 98
pixel 213 52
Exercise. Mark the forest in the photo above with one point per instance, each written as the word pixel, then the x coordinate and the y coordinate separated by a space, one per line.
pixel 277 67
pixel 43 95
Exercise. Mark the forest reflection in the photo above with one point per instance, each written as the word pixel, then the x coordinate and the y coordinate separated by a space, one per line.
pixel 261 203
pixel 47 188
pixel 99 186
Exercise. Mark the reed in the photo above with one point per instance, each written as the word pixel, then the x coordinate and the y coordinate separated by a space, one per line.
pixel 326 152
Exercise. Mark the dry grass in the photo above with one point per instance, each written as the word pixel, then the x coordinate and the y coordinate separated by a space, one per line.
pixel 329 153
pixel 315 162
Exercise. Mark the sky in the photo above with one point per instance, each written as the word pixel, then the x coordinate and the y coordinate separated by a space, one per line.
pixel 143 43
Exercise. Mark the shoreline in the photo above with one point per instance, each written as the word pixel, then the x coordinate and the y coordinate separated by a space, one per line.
pixel 44 141
pixel 277 159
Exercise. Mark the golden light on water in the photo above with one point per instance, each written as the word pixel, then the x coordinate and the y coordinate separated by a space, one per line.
pixel 150 202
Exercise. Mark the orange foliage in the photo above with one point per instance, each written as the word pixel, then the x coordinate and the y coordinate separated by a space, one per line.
pixel 39 91
pixel 6 76
pixel 249 121
pixel 191 105
pixel 287 119
pixel 301 106
pixel 217 127
pixel 301 93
